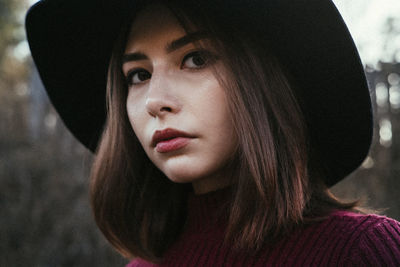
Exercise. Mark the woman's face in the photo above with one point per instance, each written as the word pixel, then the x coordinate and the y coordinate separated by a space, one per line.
pixel 176 106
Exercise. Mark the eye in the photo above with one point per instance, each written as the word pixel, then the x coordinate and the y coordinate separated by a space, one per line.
pixel 197 60
pixel 137 76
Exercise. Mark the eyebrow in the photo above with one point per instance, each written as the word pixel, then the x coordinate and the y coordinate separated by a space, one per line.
pixel 170 47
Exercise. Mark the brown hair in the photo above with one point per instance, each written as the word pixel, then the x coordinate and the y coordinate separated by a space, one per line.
pixel 141 212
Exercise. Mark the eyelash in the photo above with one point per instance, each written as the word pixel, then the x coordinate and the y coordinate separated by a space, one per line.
pixel 206 56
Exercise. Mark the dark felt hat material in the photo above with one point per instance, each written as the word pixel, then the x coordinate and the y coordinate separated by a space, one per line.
pixel 71 43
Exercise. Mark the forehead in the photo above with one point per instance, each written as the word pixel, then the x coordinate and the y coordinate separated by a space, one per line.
pixel 154 20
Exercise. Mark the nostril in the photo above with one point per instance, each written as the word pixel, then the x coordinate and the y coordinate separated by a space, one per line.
pixel 166 109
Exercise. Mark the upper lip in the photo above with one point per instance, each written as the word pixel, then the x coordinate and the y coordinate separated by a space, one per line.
pixel 169 133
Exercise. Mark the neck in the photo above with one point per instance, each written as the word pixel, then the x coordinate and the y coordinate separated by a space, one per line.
pixel 218 180
pixel 210 184
pixel 207 210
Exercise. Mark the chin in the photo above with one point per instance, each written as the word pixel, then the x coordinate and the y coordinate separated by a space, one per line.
pixel 182 176
pixel 189 169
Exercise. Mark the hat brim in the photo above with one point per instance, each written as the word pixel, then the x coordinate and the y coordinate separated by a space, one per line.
pixel 71 43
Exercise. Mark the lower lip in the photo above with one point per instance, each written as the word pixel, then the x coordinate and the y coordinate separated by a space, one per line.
pixel 172 144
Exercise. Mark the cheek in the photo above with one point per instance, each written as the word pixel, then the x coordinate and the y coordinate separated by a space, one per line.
pixel 213 110
pixel 214 116
pixel 222 125
pixel 135 115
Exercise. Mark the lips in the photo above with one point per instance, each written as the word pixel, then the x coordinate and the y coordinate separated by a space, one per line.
pixel 168 134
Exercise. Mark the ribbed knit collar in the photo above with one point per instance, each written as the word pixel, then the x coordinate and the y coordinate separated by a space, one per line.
pixel 209 210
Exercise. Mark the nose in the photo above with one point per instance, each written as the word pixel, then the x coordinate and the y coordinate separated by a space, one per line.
pixel 161 99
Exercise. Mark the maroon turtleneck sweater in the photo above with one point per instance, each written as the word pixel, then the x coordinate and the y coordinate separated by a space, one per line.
pixel 344 239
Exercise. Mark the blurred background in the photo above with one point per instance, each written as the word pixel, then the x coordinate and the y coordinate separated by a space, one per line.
pixel 45 219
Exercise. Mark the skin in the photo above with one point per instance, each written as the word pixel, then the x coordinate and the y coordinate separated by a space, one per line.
pixel 171 91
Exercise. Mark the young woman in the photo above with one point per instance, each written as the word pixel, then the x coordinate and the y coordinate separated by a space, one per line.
pixel 218 127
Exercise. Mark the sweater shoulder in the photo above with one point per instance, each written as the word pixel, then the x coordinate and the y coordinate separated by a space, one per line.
pixel 372 239
pixel 368 220
pixel 137 262
pixel 365 223
pixel 357 223
pixel 343 239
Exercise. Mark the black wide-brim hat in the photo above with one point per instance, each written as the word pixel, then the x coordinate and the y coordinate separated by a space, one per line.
pixel 71 43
